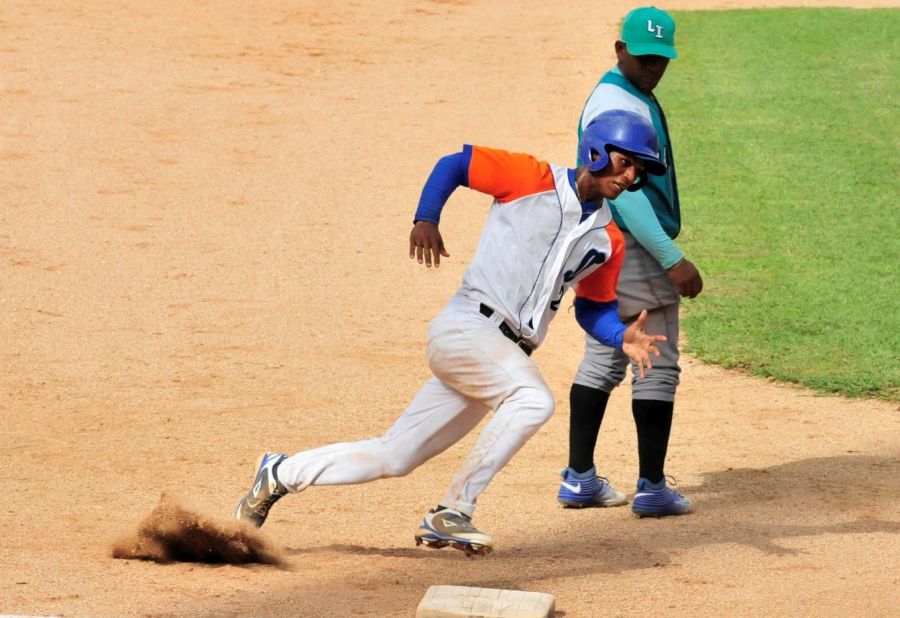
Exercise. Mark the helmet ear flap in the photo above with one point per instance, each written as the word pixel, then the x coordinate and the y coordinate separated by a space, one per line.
pixel 602 153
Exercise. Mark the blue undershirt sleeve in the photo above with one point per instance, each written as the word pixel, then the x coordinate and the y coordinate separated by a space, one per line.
pixel 450 172
pixel 600 320
pixel 642 223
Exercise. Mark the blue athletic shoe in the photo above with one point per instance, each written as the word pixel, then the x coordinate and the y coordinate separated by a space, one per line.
pixel 657 500
pixel 587 489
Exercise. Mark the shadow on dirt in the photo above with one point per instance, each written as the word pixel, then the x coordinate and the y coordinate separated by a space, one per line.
pixel 755 507
pixel 760 508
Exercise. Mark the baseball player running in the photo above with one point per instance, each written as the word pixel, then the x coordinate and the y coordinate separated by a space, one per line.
pixel 549 228
pixel 654 274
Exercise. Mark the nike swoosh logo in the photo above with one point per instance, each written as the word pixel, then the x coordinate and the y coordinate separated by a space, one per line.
pixel 573 488
pixel 448 523
pixel 643 494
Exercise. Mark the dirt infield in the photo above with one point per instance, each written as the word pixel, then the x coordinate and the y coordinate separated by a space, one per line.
pixel 203 238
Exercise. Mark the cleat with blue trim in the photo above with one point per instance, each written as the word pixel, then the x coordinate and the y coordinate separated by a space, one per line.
pixel 266 491
pixel 442 527
pixel 587 489
pixel 657 500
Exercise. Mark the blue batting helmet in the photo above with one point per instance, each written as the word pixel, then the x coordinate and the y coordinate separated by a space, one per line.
pixel 624 131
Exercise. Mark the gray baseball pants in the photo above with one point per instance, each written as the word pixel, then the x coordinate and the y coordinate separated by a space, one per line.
pixel 643 284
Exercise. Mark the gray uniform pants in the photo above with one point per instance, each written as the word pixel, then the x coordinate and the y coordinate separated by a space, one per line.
pixel 643 284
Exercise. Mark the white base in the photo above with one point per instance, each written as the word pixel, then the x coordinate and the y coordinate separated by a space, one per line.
pixel 464 601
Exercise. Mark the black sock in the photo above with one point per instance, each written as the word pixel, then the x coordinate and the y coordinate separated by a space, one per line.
pixel 586 408
pixel 653 420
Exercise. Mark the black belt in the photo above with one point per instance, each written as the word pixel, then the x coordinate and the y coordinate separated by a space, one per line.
pixel 508 332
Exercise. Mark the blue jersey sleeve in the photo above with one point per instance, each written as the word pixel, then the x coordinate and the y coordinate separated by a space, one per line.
pixel 449 173
pixel 600 320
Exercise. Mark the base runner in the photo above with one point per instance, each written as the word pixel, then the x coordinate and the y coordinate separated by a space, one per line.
pixel 549 229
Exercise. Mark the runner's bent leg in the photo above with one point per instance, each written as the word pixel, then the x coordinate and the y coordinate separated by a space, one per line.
pixel 479 361
pixel 437 417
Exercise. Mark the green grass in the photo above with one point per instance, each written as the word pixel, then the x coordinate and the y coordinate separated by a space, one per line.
pixel 787 137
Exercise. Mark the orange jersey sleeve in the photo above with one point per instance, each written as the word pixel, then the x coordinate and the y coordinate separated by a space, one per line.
pixel 508 175
pixel 600 285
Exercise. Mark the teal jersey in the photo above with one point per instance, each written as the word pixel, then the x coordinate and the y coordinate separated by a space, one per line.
pixel 614 91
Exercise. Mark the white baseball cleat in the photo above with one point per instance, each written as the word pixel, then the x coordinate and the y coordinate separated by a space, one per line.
pixel 266 491
pixel 442 527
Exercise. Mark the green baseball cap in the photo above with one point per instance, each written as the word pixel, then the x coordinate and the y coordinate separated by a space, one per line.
pixel 649 31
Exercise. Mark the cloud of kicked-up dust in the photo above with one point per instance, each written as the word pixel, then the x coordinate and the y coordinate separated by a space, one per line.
pixel 173 534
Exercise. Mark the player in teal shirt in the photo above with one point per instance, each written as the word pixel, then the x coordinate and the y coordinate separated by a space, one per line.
pixel 652 214
pixel 655 274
